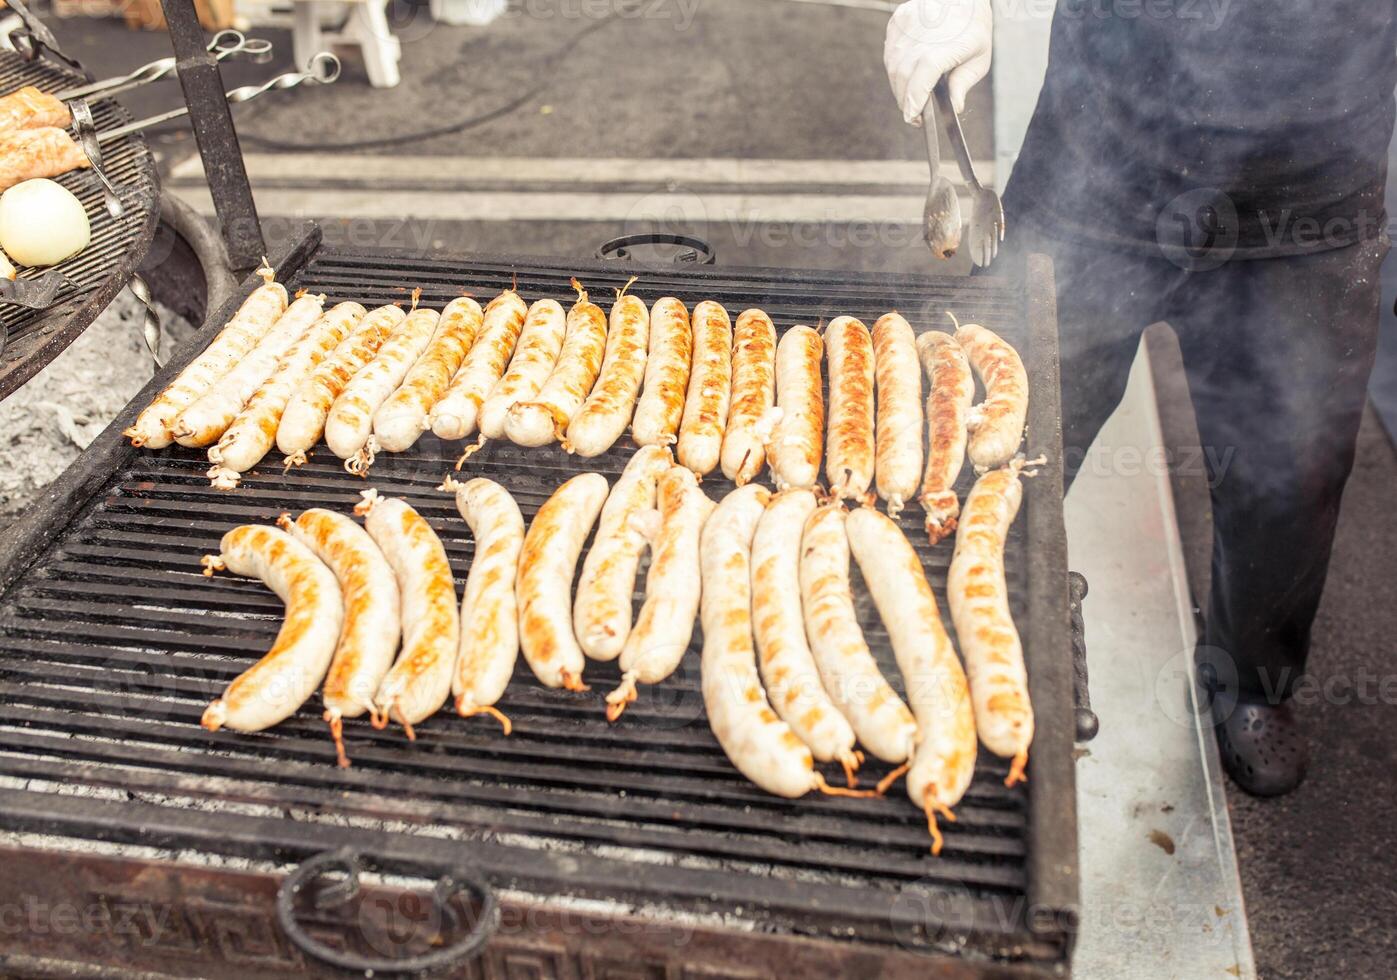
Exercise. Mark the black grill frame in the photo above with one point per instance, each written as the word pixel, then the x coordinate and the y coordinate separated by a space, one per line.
pixel 1029 921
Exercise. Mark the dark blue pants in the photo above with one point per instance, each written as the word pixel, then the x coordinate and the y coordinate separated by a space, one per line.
pixel 1277 353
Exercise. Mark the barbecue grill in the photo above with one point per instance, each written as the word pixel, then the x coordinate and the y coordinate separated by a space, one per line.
pixel 100 271
pixel 627 850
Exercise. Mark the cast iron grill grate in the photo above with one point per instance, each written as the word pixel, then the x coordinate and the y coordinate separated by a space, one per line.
pixel 117 244
pixel 112 643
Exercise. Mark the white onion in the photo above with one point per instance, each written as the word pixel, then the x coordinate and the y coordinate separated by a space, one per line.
pixel 42 223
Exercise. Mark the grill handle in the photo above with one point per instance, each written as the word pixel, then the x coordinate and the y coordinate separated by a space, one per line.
pixel 351 864
pixel 1087 722
pixel 696 251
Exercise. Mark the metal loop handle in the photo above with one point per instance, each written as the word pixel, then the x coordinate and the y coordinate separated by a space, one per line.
pixel 351 864
pixel 696 250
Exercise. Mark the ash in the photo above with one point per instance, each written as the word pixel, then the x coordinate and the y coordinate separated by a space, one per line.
pixel 52 418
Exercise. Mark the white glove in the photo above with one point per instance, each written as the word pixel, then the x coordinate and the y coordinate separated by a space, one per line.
pixel 930 38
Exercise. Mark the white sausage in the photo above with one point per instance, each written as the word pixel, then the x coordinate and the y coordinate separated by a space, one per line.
pixel 849 449
pixel 756 741
pixel 402 418
pixel 931 672
pixel 252 433
pixel 951 389
pixel 797 424
pixel 369 639
pixel 543 418
pixel 544 589
pixel 534 356
pixel 666 622
pixel 489 613
pixel 997 423
pixel 349 426
pixel 879 717
pixel 787 665
pixel 303 422
pixel 202 423
pixel 239 335
pixel 710 389
pixel 753 394
pixel 273 688
pixel 603 417
pixel 418 684
pixel 602 611
pixel 899 434
pixel 455 415
pixel 979 601
pixel 661 404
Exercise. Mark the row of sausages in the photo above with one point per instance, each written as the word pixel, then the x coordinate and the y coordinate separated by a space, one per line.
pixel 787 677
pixel 723 395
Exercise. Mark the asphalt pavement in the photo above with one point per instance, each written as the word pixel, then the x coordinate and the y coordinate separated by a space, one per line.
pixel 768 79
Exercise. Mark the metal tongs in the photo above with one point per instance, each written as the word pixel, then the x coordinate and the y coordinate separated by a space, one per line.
pixel 986 212
pixel 225 44
pixel 322 69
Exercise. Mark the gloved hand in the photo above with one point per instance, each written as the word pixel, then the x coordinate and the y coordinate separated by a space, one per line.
pixel 930 38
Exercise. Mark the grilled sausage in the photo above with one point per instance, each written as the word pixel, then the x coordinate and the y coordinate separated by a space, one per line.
pixel 979 601
pixel 849 447
pixel 851 676
pixel 544 587
pixel 787 665
pixel 666 622
pixel 753 394
pixel 369 639
pixel 239 335
pixel 202 423
pixel 997 423
pixel 273 688
pixel 303 422
pixel 248 439
pixel 489 612
pixel 534 356
pixel 603 417
pixel 418 684
pixel 602 611
pixel 756 741
pixel 945 759
pixel 710 389
pixel 349 426
pixel 951 390
pixel 899 432
pixel 456 414
pixel 401 419
pixel 544 418
pixel 797 424
pixel 661 405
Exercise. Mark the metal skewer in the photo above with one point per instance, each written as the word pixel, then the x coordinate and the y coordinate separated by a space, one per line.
pixel 225 44
pixel 322 69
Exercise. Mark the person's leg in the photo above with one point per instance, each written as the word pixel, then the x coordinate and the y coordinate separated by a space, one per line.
pixel 1105 300
pixel 1277 353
